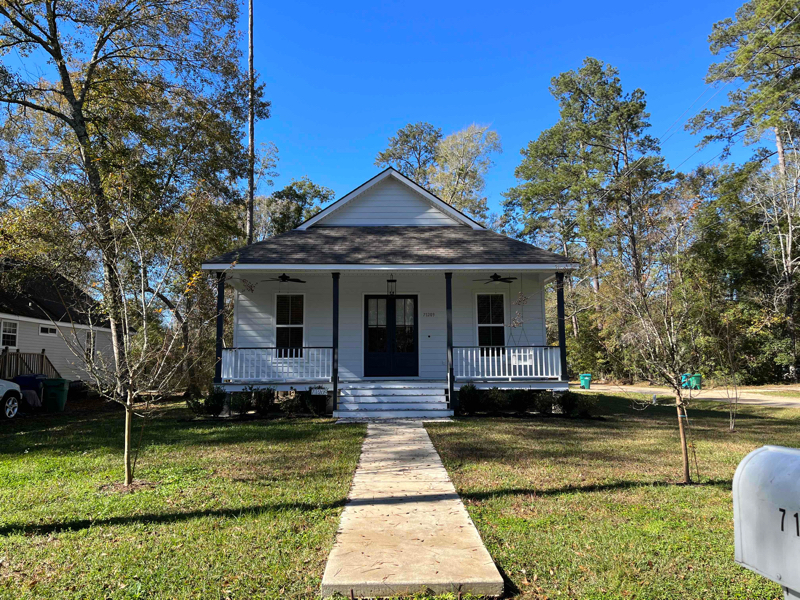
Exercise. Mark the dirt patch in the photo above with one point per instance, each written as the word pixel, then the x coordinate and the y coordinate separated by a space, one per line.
pixel 121 488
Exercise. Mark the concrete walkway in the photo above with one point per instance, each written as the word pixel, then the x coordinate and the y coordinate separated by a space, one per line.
pixel 404 529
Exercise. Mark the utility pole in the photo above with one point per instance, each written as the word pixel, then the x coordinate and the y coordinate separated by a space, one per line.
pixel 249 225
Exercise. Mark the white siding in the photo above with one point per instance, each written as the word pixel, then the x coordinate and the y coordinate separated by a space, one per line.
pixel 64 360
pixel 255 327
pixel 389 203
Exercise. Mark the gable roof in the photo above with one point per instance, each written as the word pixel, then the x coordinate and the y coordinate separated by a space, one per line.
pixel 389 245
pixel 37 295
pixel 393 173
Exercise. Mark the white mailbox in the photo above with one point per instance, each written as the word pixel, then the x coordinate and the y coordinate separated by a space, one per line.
pixel 766 515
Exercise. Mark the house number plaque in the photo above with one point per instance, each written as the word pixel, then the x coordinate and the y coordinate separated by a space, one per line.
pixel 429 314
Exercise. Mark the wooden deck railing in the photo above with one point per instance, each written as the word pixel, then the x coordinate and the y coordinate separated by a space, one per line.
pixel 506 362
pixel 277 364
pixel 26 363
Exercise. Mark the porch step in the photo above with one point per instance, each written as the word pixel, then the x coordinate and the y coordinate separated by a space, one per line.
pixel 393 400
pixel 391 391
pixel 392 384
pixel 390 398
pixel 393 414
pixel 373 406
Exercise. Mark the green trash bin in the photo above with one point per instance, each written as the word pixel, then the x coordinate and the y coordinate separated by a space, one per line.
pixel 54 394
pixel 696 381
pixel 586 381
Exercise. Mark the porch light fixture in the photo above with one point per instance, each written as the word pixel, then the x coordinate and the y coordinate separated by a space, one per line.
pixel 391 285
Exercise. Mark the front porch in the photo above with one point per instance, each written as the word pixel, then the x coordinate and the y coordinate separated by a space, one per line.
pixel 430 327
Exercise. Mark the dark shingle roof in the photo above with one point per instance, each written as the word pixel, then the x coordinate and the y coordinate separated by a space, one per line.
pixel 26 292
pixel 390 245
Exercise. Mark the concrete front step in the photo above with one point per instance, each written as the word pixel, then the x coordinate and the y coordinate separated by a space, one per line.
pixel 392 414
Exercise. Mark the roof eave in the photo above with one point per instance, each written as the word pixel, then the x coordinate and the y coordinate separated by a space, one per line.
pixel 545 267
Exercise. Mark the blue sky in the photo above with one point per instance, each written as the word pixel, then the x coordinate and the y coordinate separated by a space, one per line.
pixel 343 77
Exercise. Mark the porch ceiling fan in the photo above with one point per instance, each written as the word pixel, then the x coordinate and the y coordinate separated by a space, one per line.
pixel 284 278
pixel 496 279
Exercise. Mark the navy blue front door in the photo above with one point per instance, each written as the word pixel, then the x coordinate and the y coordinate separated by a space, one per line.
pixel 391 338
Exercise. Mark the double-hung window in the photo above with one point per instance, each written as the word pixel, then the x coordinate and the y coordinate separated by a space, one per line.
pixel 8 334
pixel 289 325
pixel 491 322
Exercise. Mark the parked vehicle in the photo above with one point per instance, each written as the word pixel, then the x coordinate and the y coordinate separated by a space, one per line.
pixel 12 397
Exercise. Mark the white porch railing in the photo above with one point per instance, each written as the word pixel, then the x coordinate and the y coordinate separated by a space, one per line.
pixel 277 364
pixel 506 362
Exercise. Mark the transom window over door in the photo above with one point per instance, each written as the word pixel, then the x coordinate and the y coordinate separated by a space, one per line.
pixel 491 320
pixel 289 325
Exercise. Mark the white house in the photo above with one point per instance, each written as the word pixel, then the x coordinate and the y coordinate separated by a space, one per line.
pixel 392 299
pixel 45 324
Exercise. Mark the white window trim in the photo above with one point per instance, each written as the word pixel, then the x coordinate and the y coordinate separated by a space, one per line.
pixel 48 334
pixel 275 319
pixel 505 315
pixel 2 324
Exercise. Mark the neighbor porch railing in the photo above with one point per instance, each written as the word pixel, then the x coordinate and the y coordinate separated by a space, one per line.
pixel 26 363
pixel 506 362
pixel 277 364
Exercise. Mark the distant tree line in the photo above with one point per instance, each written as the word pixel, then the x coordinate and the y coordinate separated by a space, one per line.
pixel 680 271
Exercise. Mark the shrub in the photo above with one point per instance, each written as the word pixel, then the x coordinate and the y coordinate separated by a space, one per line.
pixel 519 400
pixel 468 399
pixel 195 405
pixel 316 403
pixel 576 404
pixel 215 401
pixel 496 399
pixel 542 402
pixel 241 402
pixel 586 404
pixel 292 404
pixel 263 399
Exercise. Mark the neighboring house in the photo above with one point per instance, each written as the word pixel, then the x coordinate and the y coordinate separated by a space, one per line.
pixel 393 299
pixel 44 321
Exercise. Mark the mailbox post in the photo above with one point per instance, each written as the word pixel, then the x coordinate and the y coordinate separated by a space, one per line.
pixel 766 515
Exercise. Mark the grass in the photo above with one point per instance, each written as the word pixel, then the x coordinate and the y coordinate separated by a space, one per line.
pixel 782 393
pixel 591 508
pixel 568 508
pixel 225 510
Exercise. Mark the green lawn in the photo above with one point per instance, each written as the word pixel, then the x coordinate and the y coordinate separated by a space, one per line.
pixel 590 508
pixel 228 510
pixel 567 508
pixel 782 393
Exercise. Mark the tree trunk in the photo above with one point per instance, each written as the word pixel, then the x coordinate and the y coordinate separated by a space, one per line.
pixel 595 268
pixel 573 317
pixel 790 324
pixel 687 477
pixel 103 216
pixel 781 152
pixel 128 435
